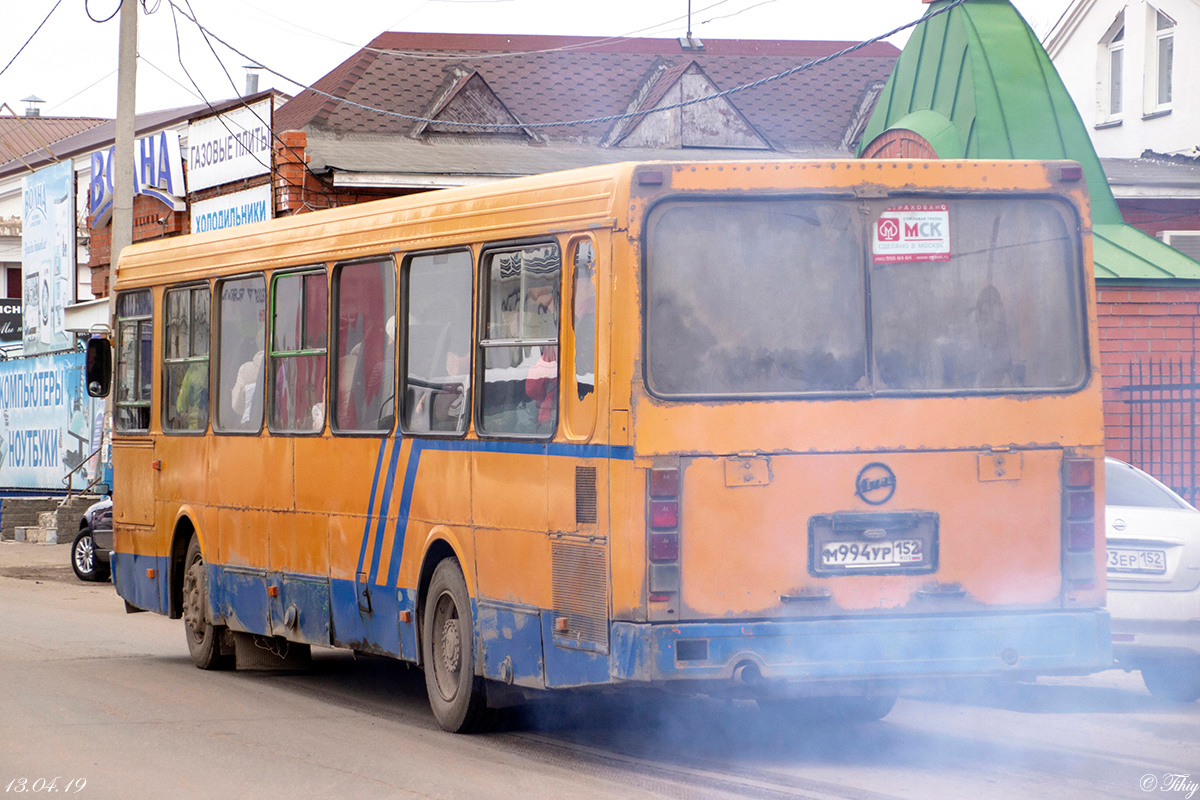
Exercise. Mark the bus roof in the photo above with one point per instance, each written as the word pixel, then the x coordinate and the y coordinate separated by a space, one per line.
pixel 572 200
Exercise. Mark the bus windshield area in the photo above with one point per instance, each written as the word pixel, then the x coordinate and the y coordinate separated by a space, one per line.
pixel 792 296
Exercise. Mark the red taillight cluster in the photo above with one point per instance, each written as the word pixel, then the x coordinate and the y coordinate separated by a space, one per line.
pixel 1079 521
pixel 663 504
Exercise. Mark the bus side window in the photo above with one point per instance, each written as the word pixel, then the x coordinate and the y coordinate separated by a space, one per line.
pixel 365 347
pixel 437 383
pixel 241 333
pixel 581 399
pixel 296 368
pixel 185 359
pixel 519 344
pixel 135 347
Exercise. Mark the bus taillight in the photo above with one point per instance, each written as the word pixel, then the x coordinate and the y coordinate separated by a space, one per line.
pixel 1079 521
pixel 664 514
pixel 663 547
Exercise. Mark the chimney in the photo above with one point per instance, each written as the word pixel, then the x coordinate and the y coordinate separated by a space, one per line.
pixel 32 110
pixel 251 80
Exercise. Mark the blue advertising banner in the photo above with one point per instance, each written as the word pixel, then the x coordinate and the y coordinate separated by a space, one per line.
pixel 48 424
pixel 48 256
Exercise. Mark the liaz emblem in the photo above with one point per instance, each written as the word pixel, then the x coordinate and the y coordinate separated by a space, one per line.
pixel 875 484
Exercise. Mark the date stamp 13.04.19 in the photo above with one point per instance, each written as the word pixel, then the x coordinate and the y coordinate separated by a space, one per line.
pixel 55 785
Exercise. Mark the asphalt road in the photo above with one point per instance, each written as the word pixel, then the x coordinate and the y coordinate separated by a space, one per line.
pixel 89 692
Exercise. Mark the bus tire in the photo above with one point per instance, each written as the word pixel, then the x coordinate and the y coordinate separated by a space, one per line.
pixel 456 694
pixel 203 638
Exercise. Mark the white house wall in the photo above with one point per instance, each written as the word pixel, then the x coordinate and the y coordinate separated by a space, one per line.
pixel 1075 48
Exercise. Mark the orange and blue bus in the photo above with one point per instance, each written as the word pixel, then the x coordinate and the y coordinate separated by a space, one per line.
pixel 773 430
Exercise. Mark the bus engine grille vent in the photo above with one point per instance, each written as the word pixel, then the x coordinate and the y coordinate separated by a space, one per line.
pixel 585 495
pixel 580 589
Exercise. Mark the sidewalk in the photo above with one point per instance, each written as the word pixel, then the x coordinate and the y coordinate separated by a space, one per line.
pixel 15 555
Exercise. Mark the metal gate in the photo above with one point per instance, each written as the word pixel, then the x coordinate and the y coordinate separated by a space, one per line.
pixel 1161 396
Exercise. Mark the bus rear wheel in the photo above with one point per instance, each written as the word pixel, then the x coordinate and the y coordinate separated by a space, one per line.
pixel 456 694
pixel 203 638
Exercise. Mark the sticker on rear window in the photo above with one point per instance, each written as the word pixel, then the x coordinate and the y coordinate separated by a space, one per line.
pixel 913 232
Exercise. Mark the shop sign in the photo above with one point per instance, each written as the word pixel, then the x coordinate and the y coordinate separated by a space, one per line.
pixel 230 146
pixel 158 173
pixel 231 210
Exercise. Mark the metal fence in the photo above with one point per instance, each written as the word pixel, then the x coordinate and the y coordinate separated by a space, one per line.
pixel 1161 396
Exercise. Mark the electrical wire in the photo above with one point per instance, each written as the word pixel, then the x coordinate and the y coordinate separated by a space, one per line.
pixel 81 91
pixel 736 13
pixel 274 172
pixel 167 75
pixel 420 55
pixel 88 11
pixel 30 39
pixel 591 120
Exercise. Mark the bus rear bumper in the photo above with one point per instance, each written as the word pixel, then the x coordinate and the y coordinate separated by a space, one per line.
pixel 1064 642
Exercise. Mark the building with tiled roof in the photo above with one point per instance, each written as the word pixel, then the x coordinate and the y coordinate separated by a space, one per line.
pixel 23 136
pixel 417 110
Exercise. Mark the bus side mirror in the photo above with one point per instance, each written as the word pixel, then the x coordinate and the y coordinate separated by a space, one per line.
pixel 98 367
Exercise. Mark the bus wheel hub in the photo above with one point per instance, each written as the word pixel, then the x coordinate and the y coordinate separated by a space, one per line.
pixel 451 649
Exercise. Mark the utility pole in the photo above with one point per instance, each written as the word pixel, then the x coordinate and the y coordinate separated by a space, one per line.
pixel 122 217
pixel 123 171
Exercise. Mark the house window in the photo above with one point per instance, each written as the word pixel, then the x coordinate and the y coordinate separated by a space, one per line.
pixel 1164 52
pixel 1116 68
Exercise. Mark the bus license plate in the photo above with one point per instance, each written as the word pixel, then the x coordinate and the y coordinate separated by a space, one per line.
pixel 1152 561
pixel 850 555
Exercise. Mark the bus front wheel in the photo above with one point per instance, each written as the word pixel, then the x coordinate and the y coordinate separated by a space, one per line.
pixel 203 638
pixel 456 694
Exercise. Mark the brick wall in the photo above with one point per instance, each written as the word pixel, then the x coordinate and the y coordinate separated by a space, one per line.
pixel 1155 215
pixel 1142 329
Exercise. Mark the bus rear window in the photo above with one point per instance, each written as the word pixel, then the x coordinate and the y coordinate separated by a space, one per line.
pixel 1003 312
pixel 754 298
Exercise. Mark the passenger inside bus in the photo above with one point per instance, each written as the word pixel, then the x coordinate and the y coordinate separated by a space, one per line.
pixel 542 388
pixel 247 396
pixel 191 404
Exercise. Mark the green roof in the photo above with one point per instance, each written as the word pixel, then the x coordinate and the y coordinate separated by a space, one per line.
pixel 1122 252
pixel 976 83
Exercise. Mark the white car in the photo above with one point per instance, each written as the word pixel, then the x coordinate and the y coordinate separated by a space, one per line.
pixel 1153 538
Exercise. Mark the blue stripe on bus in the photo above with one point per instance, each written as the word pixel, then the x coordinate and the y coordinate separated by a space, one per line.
pixel 558 449
pixel 362 553
pixel 384 505
pixel 410 478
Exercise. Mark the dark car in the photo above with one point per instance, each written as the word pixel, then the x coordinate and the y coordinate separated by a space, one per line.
pixel 89 551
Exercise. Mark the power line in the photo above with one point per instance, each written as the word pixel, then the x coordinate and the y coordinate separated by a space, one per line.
pixel 592 120
pixel 84 89
pixel 30 39
pixel 88 11
pixel 427 56
pixel 167 75
pixel 275 173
